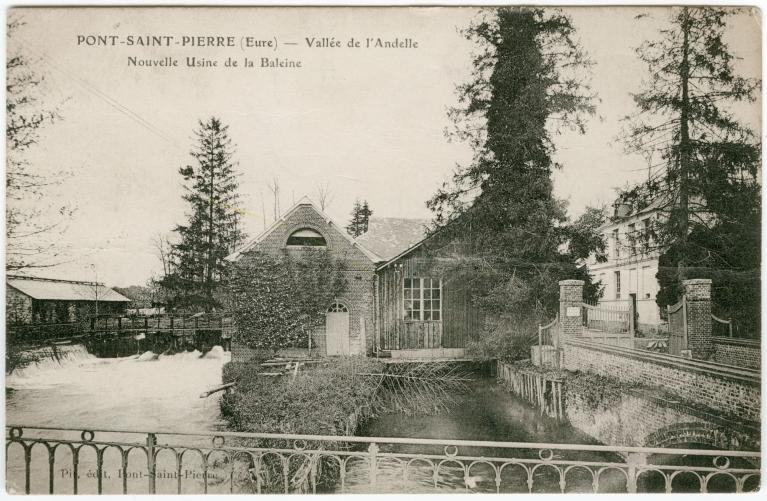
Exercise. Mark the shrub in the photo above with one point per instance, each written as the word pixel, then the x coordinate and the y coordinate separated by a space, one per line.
pixel 325 399
pixel 506 341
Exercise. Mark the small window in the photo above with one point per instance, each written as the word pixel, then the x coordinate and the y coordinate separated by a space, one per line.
pixel 306 238
pixel 338 308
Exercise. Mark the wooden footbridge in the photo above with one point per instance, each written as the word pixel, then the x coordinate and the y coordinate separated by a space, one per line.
pixel 213 328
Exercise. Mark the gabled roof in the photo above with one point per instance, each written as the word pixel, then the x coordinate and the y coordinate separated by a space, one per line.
pixel 63 290
pixel 390 236
pixel 305 201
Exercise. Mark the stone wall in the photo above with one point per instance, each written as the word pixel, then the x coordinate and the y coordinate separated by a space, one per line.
pixel 638 418
pixel 728 390
pixel 738 352
pixel 359 273
pixel 18 306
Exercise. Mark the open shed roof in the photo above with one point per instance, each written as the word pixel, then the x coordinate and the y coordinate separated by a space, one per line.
pixel 64 290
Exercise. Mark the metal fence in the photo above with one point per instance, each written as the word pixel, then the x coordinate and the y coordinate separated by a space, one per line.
pixel 721 327
pixel 609 320
pixel 75 461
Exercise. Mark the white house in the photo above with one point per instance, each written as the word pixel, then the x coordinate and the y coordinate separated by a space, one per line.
pixel 631 266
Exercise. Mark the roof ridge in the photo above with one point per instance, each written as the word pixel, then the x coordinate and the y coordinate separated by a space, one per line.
pixel 45 279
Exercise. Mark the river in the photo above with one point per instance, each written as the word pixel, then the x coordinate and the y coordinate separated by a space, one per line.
pixel 146 392
pixel 126 392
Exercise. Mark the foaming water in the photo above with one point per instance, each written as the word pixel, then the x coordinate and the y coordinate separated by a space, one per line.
pixel 138 392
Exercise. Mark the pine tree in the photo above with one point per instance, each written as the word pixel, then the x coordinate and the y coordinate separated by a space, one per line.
pixel 529 81
pixel 360 219
pixel 214 228
pixel 706 187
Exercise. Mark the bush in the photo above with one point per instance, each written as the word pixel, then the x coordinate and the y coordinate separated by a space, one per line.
pixel 324 399
pixel 503 340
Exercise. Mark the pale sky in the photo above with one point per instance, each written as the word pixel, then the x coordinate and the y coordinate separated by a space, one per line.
pixel 369 123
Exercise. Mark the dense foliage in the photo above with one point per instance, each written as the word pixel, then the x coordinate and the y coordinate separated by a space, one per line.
pixel 360 218
pixel 328 399
pixel 706 185
pixel 516 241
pixel 277 301
pixel 213 229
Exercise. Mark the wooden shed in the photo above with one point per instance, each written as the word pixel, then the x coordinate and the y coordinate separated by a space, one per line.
pixel 421 312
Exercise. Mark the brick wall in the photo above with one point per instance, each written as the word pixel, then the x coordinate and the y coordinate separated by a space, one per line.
pixel 359 273
pixel 738 352
pixel 636 419
pixel 724 389
pixel 697 293
pixel 570 299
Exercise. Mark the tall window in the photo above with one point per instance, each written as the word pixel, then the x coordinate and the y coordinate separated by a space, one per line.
pixel 632 234
pixel 617 285
pixel 616 245
pixel 423 299
pixel 646 227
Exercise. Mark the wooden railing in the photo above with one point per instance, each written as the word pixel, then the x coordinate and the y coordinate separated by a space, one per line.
pixel 119 325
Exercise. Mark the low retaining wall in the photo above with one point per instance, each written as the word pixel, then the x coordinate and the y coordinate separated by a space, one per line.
pixel 726 389
pixel 738 352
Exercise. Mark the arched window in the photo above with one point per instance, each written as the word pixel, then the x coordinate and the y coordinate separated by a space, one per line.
pixel 306 238
pixel 338 308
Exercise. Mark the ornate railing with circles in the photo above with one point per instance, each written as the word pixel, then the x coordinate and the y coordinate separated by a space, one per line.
pixel 57 460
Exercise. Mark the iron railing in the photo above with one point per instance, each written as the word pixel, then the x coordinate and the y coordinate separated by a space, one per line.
pixel 608 320
pixel 717 325
pixel 58 460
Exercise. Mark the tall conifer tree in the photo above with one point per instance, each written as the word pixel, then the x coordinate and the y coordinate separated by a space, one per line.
pixel 213 229
pixel 529 82
pixel 706 185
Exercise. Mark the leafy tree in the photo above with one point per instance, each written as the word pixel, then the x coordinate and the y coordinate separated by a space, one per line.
pixel 31 223
pixel 358 225
pixel 277 301
pixel 214 228
pixel 529 82
pixel 706 189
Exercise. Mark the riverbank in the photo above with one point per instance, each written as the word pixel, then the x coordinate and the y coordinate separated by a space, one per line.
pixel 328 398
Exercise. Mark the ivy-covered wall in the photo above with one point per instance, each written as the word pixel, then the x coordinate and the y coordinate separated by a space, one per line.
pixel 359 271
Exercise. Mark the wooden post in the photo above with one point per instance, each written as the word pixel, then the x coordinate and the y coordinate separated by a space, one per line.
pixel 684 322
pixel 632 313
pixel 729 325
pixel 540 346
pixel 556 343
pixel 119 323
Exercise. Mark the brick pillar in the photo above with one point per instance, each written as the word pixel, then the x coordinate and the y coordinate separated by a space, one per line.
pixel 570 298
pixel 697 293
